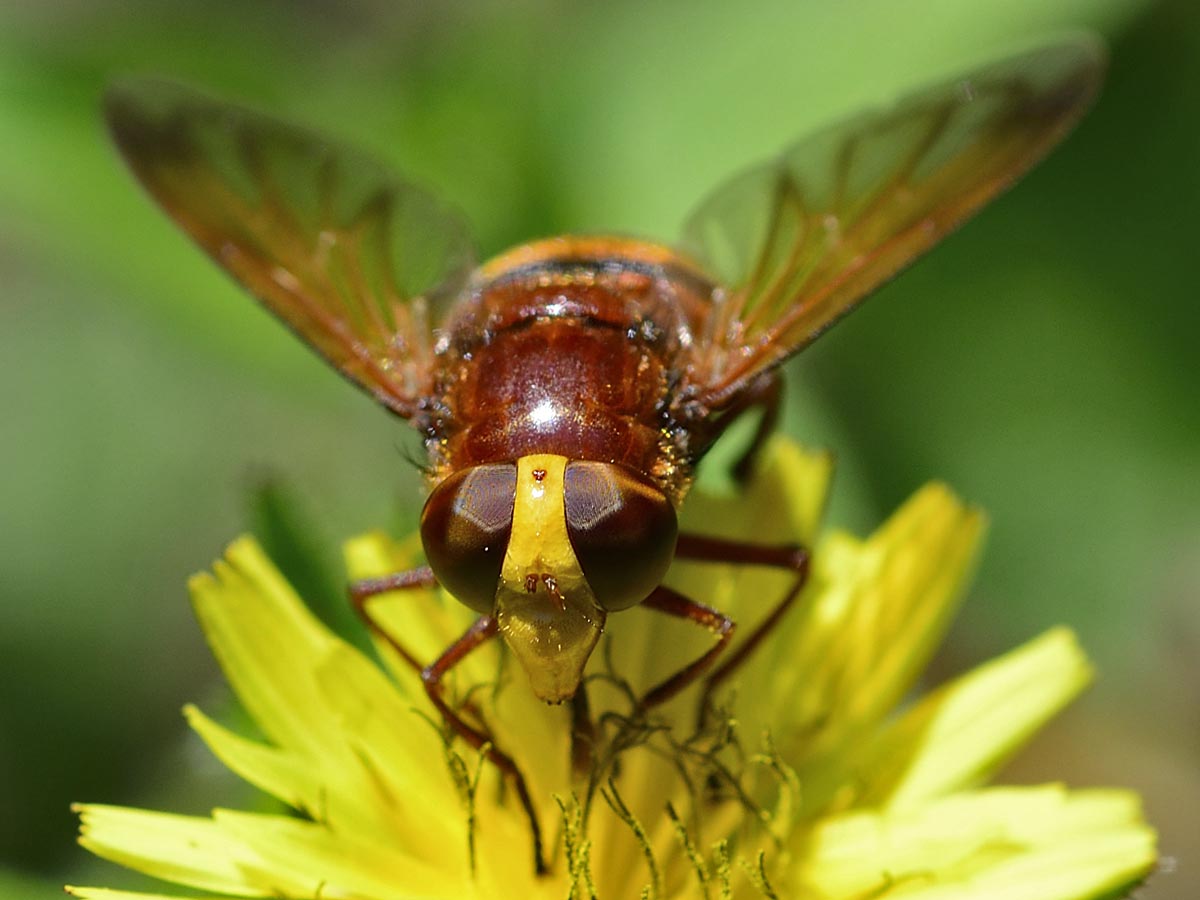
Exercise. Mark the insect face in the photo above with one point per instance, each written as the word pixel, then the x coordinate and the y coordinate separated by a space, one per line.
pixel 549 546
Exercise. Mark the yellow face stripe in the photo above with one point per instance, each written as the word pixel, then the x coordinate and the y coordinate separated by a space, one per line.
pixel 545 610
pixel 539 542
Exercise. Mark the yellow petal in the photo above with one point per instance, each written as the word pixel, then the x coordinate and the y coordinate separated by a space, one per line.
pixel 959 735
pixel 1041 843
pixel 266 642
pixel 304 859
pixel 402 744
pixel 283 775
pixel 100 893
pixel 271 647
pixel 875 613
pixel 183 849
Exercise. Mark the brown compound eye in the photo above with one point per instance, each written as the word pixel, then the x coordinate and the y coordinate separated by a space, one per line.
pixel 622 528
pixel 465 528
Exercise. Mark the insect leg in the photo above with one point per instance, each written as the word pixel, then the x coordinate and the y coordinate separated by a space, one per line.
pixel 363 590
pixel 766 392
pixel 431 676
pixel 675 604
pixel 583 734
pixel 484 629
pixel 718 550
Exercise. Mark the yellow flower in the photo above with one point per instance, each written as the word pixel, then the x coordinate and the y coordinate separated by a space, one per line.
pixel 813 780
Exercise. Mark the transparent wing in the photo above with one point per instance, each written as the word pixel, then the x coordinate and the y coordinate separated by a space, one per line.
pixel 358 263
pixel 797 243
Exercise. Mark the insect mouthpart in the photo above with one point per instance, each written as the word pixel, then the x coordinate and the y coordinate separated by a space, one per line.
pixel 552 629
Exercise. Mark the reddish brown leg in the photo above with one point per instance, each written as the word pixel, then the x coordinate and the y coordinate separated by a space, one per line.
pixel 675 604
pixel 483 630
pixel 718 550
pixel 766 392
pixel 363 590
pixel 583 734
pixel 431 676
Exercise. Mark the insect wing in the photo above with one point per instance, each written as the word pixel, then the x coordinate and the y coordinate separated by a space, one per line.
pixel 360 264
pixel 799 242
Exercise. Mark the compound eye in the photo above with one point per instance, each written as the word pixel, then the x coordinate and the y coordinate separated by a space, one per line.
pixel 622 529
pixel 465 528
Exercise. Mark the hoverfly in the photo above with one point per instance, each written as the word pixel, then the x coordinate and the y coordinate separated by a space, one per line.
pixel 567 389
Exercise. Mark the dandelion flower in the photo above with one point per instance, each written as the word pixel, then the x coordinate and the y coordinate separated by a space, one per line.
pixel 813 778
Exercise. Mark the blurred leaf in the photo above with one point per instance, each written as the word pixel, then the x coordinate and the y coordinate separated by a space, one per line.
pixel 305 556
pixel 17 886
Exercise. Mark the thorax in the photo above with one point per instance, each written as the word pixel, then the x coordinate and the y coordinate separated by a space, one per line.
pixel 569 347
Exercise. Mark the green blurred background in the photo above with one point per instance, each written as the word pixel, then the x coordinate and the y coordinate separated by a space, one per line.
pixel 1043 361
